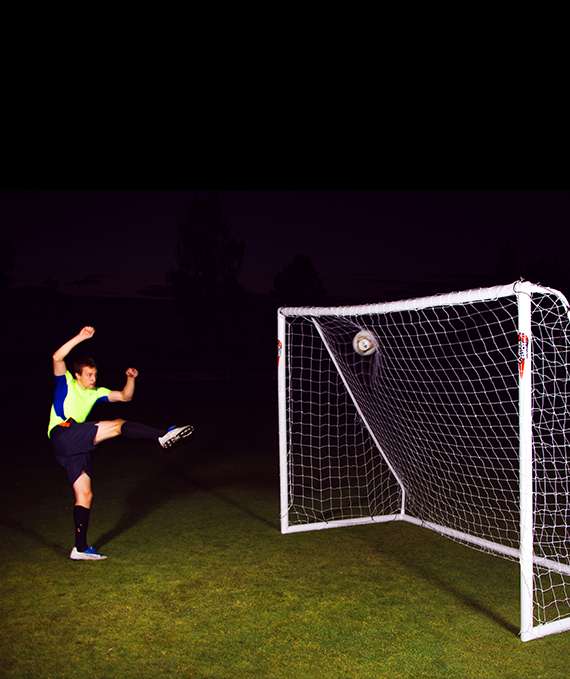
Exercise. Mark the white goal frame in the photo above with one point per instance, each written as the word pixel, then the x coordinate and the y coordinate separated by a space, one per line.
pixel 522 291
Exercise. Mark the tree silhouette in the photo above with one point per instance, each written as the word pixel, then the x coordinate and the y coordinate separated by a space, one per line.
pixel 299 284
pixel 205 283
pixel 209 259
pixel 509 265
pixel 6 263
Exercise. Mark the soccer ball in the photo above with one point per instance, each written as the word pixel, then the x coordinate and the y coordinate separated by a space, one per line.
pixel 364 343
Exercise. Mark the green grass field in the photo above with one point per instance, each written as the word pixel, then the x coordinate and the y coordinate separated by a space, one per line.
pixel 200 583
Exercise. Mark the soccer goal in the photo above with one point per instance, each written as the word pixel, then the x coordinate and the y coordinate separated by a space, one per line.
pixel 450 412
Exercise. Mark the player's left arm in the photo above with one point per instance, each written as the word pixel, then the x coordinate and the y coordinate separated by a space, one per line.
pixel 128 390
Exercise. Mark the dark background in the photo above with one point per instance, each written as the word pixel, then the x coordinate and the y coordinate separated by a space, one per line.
pixel 185 286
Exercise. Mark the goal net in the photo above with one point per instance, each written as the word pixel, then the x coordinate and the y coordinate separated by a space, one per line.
pixel 449 412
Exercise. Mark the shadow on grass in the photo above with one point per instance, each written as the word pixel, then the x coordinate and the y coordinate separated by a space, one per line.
pixel 159 487
pixel 416 563
pixel 34 535
pixel 469 600
pixel 240 505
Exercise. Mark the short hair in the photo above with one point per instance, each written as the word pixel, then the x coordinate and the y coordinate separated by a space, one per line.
pixel 83 362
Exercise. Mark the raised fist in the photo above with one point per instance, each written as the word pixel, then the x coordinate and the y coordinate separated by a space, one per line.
pixel 87 332
pixel 132 372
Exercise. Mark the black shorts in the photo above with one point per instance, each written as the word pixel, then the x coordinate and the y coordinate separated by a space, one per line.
pixel 73 445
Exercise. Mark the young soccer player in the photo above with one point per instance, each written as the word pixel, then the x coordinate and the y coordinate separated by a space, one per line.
pixel 74 438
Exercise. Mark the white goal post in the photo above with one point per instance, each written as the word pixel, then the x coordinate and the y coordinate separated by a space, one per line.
pixel 451 412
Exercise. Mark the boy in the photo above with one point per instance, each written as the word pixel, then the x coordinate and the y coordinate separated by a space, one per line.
pixel 73 438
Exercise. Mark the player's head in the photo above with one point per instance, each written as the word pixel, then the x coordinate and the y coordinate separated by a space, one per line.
pixel 85 372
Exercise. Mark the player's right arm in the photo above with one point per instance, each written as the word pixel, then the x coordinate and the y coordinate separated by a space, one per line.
pixel 59 356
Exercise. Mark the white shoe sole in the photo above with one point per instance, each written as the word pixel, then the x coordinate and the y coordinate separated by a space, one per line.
pixel 176 436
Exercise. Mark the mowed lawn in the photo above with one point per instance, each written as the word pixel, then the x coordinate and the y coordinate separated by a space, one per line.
pixel 200 583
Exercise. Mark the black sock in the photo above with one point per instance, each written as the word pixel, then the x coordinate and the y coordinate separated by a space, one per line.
pixel 135 430
pixel 81 518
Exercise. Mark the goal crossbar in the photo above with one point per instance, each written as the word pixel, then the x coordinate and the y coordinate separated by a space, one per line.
pixel 417 303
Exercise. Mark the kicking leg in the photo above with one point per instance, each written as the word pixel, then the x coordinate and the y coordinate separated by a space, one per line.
pixel 108 429
pixel 167 438
pixel 131 430
pixel 136 430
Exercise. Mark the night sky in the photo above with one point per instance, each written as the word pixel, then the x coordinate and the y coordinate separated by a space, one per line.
pixel 361 243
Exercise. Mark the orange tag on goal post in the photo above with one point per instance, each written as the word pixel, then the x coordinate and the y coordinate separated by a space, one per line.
pixel 523 352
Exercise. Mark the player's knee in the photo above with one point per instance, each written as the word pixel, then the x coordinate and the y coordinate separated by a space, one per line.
pixel 117 426
pixel 83 495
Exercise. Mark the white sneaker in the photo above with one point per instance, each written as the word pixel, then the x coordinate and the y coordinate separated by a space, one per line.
pixel 88 555
pixel 175 436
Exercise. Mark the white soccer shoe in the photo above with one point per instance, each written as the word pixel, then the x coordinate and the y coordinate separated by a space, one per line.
pixel 175 436
pixel 88 555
